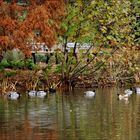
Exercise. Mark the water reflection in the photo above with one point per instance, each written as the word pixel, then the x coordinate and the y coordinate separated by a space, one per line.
pixel 63 116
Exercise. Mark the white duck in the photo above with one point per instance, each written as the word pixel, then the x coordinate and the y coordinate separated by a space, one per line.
pixel 137 90
pixel 123 97
pixel 41 94
pixel 89 93
pixel 13 95
pixel 128 92
pixel 32 93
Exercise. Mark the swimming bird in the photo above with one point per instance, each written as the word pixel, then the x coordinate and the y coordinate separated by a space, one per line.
pixel 128 92
pixel 123 97
pixel 137 90
pixel 32 93
pixel 13 95
pixel 89 93
pixel 41 94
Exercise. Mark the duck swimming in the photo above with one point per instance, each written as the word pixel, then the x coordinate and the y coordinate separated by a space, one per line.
pixel 41 94
pixel 137 90
pixel 123 97
pixel 13 95
pixel 89 93
pixel 126 95
pixel 128 92
pixel 32 93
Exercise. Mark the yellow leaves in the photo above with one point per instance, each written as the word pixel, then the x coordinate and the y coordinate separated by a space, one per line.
pixel 80 2
pixel 103 29
pixel 90 16
pixel 137 78
pixel 113 43
pixel 93 2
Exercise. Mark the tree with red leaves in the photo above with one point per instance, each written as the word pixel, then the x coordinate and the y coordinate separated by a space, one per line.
pixel 24 22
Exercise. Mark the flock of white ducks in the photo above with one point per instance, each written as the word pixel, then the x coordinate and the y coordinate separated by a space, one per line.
pixel 125 96
pixel 128 93
pixel 89 94
pixel 34 93
pixel 15 95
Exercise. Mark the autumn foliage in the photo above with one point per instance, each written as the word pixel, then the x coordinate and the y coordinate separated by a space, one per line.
pixel 22 23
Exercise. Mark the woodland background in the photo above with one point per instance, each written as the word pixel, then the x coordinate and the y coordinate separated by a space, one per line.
pixel 110 27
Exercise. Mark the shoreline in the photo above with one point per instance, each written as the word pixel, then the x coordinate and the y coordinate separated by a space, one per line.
pixel 35 80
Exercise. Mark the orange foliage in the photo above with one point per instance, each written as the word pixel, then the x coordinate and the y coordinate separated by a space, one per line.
pixel 20 22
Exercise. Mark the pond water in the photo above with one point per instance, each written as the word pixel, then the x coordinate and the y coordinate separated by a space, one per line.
pixel 71 116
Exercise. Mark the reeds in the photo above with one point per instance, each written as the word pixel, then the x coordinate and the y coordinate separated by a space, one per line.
pixel 7 85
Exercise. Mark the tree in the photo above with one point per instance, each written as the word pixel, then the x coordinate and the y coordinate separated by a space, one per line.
pixel 135 13
pixel 24 22
pixel 103 24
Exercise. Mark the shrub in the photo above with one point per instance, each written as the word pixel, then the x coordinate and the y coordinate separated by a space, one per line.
pixel 19 64
pixel 40 58
pixel 4 64
pixel 13 55
pixel 30 64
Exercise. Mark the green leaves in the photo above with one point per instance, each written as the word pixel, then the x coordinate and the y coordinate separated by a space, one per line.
pixel 107 25
pixel 97 21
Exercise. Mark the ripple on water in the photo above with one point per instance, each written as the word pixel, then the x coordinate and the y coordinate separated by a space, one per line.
pixel 69 117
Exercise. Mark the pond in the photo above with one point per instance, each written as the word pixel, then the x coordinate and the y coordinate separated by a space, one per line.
pixel 71 116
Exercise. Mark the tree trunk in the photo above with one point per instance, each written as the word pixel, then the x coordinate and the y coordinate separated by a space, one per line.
pixel 74 52
pixel 1 57
pixel 65 45
pixel 34 58
pixel 47 58
pixel 65 50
